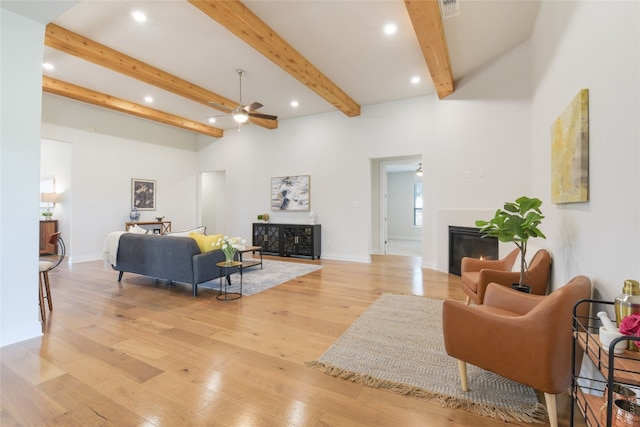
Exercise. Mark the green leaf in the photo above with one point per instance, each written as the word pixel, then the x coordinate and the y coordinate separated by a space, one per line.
pixel 511 207
pixel 516 222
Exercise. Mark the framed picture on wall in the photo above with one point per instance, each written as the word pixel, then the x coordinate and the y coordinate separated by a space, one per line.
pixel 291 193
pixel 143 194
pixel 570 152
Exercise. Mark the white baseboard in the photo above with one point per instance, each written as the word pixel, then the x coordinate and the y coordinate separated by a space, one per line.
pixel 32 330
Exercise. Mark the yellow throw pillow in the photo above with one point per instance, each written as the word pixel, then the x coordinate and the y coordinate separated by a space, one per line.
pixel 206 243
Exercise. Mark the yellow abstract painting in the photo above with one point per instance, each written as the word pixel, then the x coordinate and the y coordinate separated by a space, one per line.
pixel 570 152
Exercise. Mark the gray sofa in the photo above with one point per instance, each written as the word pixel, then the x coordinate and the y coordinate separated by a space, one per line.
pixel 170 258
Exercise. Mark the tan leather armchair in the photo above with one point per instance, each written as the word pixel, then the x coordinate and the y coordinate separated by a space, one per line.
pixel 476 274
pixel 526 338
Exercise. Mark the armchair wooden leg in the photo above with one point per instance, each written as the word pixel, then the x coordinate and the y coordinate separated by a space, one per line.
pixel 462 367
pixel 468 301
pixel 552 409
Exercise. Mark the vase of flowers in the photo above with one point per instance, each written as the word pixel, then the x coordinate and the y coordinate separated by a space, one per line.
pixel 229 246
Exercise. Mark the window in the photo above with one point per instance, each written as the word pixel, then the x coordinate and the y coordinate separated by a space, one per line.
pixel 417 204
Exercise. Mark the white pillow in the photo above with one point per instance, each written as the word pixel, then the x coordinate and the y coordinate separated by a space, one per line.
pixel 531 252
pixel 136 229
pixel 185 233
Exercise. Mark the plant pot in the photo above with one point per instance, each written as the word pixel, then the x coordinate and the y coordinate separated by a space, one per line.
pixel 521 288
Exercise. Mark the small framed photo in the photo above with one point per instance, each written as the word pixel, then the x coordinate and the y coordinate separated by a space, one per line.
pixel 143 194
pixel 291 193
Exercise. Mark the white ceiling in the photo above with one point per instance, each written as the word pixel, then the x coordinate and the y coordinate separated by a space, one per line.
pixel 344 39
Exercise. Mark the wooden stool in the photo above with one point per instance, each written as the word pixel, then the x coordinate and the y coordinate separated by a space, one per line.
pixel 45 289
pixel 45 266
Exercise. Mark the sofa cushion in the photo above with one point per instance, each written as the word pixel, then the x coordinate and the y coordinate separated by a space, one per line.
pixel 185 233
pixel 206 243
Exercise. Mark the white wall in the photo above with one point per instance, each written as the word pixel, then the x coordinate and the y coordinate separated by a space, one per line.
pixel 456 138
pixel 103 165
pixel 20 102
pixel 592 45
pixel 486 143
pixel 481 146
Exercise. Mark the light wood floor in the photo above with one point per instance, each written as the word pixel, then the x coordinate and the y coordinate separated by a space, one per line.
pixel 145 354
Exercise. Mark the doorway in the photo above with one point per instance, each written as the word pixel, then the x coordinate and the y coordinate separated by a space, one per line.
pixel 396 206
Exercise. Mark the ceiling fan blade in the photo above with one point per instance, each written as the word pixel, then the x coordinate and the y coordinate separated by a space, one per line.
pixel 221 107
pixel 252 107
pixel 263 116
pixel 218 115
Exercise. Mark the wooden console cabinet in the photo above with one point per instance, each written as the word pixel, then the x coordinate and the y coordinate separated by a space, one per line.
pixel 288 239
pixel 47 228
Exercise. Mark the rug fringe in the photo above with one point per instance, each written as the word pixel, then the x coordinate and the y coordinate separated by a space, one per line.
pixel 537 415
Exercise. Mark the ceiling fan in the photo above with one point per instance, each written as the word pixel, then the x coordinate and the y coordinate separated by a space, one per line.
pixel 242 112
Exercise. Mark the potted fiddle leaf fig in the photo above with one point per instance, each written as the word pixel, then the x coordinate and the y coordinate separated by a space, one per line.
pixel 516 222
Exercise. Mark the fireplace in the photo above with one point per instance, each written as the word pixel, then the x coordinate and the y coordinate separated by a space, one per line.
pixel 468 242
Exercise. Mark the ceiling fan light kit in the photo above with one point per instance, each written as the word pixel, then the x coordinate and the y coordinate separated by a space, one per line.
pixel 239 115
pixel 242 112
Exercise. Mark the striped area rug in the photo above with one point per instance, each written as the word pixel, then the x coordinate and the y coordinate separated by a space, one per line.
pixel 397 344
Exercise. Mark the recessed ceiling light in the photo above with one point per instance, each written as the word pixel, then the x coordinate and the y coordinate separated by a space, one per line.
pixel 390 28
pixel 212 119
pixel 139 16
pixel 148 99
pixel 415 80
pixel 48 66
pixel 294 103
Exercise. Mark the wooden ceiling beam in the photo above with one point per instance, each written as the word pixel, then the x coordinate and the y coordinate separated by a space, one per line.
pixel 74 44
pixel 237 18
pixel 427 23
pixel 69 90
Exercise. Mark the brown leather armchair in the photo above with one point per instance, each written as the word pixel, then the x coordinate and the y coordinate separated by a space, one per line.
pixel 526 338
pixel 476 274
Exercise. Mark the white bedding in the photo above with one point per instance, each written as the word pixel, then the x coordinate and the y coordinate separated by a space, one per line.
pixel 110 250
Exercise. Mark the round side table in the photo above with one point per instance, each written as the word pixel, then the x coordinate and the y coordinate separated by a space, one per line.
pixel 224 294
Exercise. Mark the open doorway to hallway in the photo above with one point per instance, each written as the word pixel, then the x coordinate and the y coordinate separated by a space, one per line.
pixel 396 196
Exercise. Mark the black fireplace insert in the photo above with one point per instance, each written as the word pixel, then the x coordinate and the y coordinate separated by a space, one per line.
pixel 468 242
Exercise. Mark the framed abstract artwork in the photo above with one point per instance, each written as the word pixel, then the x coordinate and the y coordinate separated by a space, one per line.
pixel 570 152
pixel 143 194
pixel 291 193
